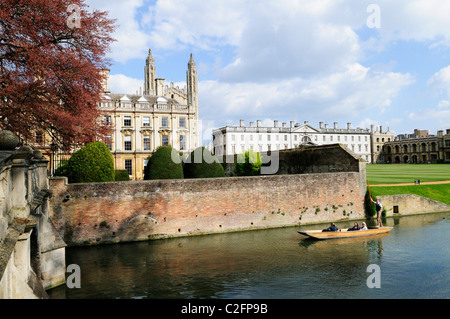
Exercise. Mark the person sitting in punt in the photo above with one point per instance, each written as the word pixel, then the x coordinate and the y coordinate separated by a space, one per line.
pixel 364 226
pixel 331 228
pixel 355 227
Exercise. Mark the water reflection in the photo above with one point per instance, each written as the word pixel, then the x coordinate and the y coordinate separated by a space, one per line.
pixel 277 263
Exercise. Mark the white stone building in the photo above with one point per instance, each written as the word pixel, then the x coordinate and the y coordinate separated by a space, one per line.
pixel 160 115
pixel 230 140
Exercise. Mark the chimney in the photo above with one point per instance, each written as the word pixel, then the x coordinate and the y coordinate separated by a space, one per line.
pixel 320 124
pixel 326 125
pixel 292 123
pixel 335 125
pixel 448 131
pixel 241 123
pixel 252 124
pixel 258 123
pixel 275 123
pixel 283 124
pixel 440 133
pixel 349 126
pixel 372 128
pixel 159 87
pixel 381 129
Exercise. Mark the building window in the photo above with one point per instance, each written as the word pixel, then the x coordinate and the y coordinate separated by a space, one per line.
pixel 107 120
pixel 268 138
pixel 39 138
pixel 324 138
pixel 251 137
pixel 295 137
pixel 260 137
pixel 285 138
pixel 108 142
pixel 129 166
pixel 242 137
pixel 182 142
pixel 182 122
pixel 127 140
pixel 127 121
pixel 146 121
pixel 147 143
pixel 233 149
pixel 165 140
pixel 165 121
pixel 233 137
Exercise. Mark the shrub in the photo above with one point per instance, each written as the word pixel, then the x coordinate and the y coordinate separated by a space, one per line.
pixel 202 164
pixel 62 169
pixel 248 164
pixel 121 175
pixel 92 163
pixel 369 207
pixel 161 166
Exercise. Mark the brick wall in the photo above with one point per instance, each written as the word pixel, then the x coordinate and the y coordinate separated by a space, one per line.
pixel 139 210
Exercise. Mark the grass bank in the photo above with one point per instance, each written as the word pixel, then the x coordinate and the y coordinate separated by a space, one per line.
pixel 440 192
pixel 406 173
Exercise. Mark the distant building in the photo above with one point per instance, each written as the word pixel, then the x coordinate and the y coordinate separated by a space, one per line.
pixel 230 140
pixel 420 147
pixel 139 123
pixel 162 115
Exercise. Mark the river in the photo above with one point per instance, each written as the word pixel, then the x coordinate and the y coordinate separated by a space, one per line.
pixel 413 261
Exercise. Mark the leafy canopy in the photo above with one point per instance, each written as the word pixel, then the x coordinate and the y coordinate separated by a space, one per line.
pixel 50 79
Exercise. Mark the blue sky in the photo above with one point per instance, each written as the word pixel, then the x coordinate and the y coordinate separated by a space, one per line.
pixel 303 60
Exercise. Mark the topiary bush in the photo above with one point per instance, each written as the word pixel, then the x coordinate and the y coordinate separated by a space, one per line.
pixel 92 163
pixel 161 166
pixel 201 163
pixel 248 164
pixel 121 175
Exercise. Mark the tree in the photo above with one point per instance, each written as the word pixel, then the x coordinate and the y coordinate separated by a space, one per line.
pixel 51 56
pixel 248 164
pixel 92 163
pixel 202 164
pixel 161 166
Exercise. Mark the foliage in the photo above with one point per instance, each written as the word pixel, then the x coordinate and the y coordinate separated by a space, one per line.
pixel 202 164
pixel 161 166
pixel 369 207
pixel 121 175
pixel 248 164
pixel 62 169
pixel 49 68
pixel 92 163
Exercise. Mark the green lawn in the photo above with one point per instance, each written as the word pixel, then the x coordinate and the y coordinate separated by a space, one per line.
pixel 441 192
pixel 406 173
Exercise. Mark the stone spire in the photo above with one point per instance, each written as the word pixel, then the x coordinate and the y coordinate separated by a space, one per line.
pixel 150 75
pixel 192 84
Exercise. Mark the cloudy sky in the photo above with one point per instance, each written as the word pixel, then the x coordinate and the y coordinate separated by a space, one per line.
pixel 378 62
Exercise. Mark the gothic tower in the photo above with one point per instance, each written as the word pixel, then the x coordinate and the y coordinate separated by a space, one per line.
pixel 150 75
pixel 192 85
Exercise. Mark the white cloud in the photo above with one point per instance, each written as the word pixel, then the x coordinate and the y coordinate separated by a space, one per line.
pixel 132 42
pixel 120 83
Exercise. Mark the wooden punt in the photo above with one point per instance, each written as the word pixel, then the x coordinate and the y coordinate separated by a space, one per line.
pixel 344 233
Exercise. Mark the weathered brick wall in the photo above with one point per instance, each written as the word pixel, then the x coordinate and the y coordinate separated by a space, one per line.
pixel 140 210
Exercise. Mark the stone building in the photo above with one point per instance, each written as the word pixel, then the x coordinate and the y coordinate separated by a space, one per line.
pixel 162 115
pixel 420 147
pixel 238 139
pixel 139 123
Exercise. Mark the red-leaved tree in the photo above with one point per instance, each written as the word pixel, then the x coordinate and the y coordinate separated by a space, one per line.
pixel 51 54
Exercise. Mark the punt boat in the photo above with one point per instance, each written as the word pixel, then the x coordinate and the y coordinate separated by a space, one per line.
pixel 344 233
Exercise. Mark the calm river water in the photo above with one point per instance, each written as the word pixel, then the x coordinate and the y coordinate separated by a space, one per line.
pixel 414 261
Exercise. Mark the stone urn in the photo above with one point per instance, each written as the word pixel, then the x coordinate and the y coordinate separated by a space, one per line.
pixel 8 140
